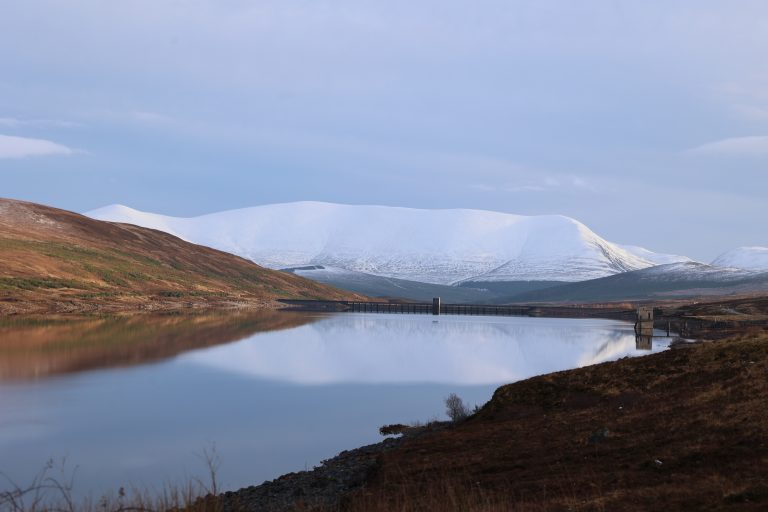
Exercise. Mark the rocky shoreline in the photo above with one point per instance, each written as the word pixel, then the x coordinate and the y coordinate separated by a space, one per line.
pixel 682 429
pixel 322 487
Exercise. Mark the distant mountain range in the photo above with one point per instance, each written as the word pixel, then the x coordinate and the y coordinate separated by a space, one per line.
pixel 675 280
pixel 431 246
pixel 746 258
pixel 461 255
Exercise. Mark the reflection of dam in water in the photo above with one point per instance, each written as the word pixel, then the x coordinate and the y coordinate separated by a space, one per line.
pixel 644 341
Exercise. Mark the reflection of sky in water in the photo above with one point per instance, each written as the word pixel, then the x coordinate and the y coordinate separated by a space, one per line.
pixel 280 401
pixel 369 348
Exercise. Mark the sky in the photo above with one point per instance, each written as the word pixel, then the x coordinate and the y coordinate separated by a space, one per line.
pixel 647 121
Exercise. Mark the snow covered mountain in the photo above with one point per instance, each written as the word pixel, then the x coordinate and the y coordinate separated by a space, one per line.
pixel 694 271
pixel 431 246
pixel 655 257
pixel 746 258
pixel 674 280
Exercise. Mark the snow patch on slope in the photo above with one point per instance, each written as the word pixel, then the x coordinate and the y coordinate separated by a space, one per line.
pixel 747 258
pixel 558 248
pixel 694 271
pixel 655 257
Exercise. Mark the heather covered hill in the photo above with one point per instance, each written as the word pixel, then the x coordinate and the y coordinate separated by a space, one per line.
pixel 679 430
pixel 56 260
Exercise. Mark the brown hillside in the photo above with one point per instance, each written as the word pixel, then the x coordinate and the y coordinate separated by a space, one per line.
pixel 56 260
pixel 683 429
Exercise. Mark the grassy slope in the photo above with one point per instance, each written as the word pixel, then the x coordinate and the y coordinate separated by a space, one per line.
pixel 687 429
pixel 53 259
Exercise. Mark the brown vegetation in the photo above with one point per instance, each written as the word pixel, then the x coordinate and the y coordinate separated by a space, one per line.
pixel 57 261
pixel 716 319
pixel 685 429
pixel 51 490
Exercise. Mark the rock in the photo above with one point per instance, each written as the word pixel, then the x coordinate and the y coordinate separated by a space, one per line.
pixel 599 436
pixel 323 486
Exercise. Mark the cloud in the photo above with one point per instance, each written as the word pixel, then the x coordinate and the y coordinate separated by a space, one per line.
pixel 484 187
pixel 751 112
pixel 747 99
pixel 756 145
pixel 139 118
pixel 546 184
pixel 149 117
pixel 12 122
pixel 22 147
pixel 523 188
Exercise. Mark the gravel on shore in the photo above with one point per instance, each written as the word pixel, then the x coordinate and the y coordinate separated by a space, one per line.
pixel 322 487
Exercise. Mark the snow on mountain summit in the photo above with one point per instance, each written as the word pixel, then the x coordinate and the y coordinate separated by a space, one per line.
pixel 128 215
pixel 433 246
pixel 746 258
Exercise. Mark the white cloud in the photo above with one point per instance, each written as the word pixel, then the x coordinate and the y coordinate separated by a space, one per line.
pixel 523 188
pixel 12 122
pixel 756 145
pixel 483 187
pixel 542 185
pixel 135 117
pixel 746 99
pixel 22 147
pixel 751 112
pixel 150 117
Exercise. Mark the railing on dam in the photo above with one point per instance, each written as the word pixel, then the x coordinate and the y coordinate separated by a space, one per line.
pixel 436 308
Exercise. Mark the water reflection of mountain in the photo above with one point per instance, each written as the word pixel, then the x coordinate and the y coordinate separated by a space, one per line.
pixel 295 348
pixel 32 349
pixel 612 348
pixel 477 327
pixel 403 349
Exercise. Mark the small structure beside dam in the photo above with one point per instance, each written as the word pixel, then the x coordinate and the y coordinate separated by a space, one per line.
pixel 644 328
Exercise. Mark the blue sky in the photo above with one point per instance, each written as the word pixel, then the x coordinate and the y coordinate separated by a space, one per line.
pixel 648 121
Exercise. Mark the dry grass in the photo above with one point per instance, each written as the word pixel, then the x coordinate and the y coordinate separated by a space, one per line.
pixel 685 429
pixel 52 490
pixel 447 493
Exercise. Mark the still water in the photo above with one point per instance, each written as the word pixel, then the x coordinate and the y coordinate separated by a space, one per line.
pixel 135 401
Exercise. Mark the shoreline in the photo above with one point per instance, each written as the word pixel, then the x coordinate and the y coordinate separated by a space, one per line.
pixel 584 419
pixel 67 305
pixel 715 333
pixel 561 412
pixel 694 318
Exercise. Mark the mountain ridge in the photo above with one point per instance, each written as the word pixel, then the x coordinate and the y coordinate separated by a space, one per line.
pixel 674 280
pixel 444 247
pixel 748 258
